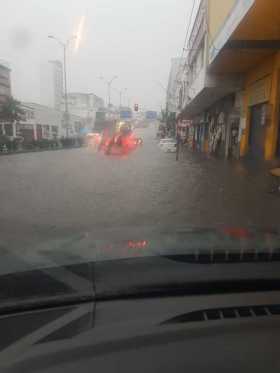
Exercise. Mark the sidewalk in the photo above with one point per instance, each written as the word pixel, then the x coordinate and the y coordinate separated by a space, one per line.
pixel 254 172
pixel 24 151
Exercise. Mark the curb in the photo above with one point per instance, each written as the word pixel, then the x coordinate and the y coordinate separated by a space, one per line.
pixel 38 151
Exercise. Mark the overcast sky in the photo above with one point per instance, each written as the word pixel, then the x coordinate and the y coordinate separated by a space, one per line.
pixel 133 39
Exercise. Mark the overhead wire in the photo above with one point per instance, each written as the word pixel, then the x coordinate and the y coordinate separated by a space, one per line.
pixel 182 67
pixel 189 23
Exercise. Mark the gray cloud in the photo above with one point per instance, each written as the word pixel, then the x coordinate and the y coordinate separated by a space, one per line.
pixel 129 38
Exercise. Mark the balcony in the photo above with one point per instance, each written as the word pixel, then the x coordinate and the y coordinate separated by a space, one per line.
pixel 206 89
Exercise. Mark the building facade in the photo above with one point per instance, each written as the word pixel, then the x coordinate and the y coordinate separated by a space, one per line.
pixel 5 81
pixel 5 91
pixel 173 88
pixel 85 105
pixel 209 98
pixel 232 78
pixel 43 122
pixel 51 84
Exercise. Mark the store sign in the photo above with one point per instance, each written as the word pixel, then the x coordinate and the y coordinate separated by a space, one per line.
pixel 186 123
pixel 26 126
pixel 260 91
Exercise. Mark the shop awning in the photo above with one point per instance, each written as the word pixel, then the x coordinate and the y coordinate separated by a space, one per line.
pixel 255 37
pixel 221 86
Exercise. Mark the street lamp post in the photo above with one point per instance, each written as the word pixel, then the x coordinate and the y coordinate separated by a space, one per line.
pixel 109 85
pixel 121 93
pixel 65 45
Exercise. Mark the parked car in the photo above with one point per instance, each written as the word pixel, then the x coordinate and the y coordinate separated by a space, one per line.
pixel 168 145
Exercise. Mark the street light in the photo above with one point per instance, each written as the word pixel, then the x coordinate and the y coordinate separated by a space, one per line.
pixel 169 95
pixel 161 86
pixel 121 93
pixel 65 45
pixel 109 84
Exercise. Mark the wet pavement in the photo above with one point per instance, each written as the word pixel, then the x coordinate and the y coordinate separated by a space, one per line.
pixel 77 189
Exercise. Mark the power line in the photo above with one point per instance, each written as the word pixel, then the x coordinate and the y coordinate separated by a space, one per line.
pixel 189 26
pixel 186 40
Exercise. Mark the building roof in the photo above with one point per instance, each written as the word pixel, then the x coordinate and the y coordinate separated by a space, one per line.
pixel 5 65
pixel 83 94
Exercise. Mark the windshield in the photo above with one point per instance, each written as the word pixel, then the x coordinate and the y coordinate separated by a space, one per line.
pixel 90 90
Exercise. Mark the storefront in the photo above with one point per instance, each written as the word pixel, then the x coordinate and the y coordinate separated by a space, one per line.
pixel 199 133
pixel 260 136
pixel 233 136
pixel 257 132
pixel 259 94
pixel 191 137
pixel 182 129
pixel 221 129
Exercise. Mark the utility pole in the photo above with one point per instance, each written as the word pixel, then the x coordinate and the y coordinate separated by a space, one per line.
pixel 66 107
pixel 65 93
pixel 121 93
pixel 109 85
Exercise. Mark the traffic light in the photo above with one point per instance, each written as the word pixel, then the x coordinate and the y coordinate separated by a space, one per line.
pixel 136 107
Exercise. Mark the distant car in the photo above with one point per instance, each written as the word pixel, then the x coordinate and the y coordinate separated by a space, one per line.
pixel 164 141
pixel 93 139
pixel 168 145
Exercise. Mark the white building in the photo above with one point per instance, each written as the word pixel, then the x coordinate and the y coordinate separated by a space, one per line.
pixel 42 122
pixel 5 81
pixel 5 92
pixel 51 84
pixel 204 87
pixel 85 105
pixel 173 88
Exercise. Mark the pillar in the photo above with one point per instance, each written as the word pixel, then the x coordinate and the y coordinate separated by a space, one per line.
pixel 273 112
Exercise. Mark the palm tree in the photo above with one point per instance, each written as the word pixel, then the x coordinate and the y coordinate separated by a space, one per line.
pixel 10 111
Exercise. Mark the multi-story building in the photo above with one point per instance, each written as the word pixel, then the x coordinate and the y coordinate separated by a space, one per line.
pixel 173 88
pixel 51 84
pixel 85 105
pixel 5 81
pixel 5 92
pixel 248 42
pixel 209 98
pixel 233 72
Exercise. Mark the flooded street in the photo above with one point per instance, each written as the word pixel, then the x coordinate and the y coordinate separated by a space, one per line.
pixel 78 190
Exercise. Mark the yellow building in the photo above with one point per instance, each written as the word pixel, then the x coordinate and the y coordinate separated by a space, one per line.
pixel 209 96
pixel 248 43
pixel 218 11
pixel 234 51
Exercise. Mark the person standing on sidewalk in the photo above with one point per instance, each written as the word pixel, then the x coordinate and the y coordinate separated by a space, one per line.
pixel 178 146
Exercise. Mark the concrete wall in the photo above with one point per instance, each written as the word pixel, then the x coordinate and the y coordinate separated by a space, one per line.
pixel 218 11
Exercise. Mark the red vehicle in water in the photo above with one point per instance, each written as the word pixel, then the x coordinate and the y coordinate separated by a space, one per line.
pixel 119 139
